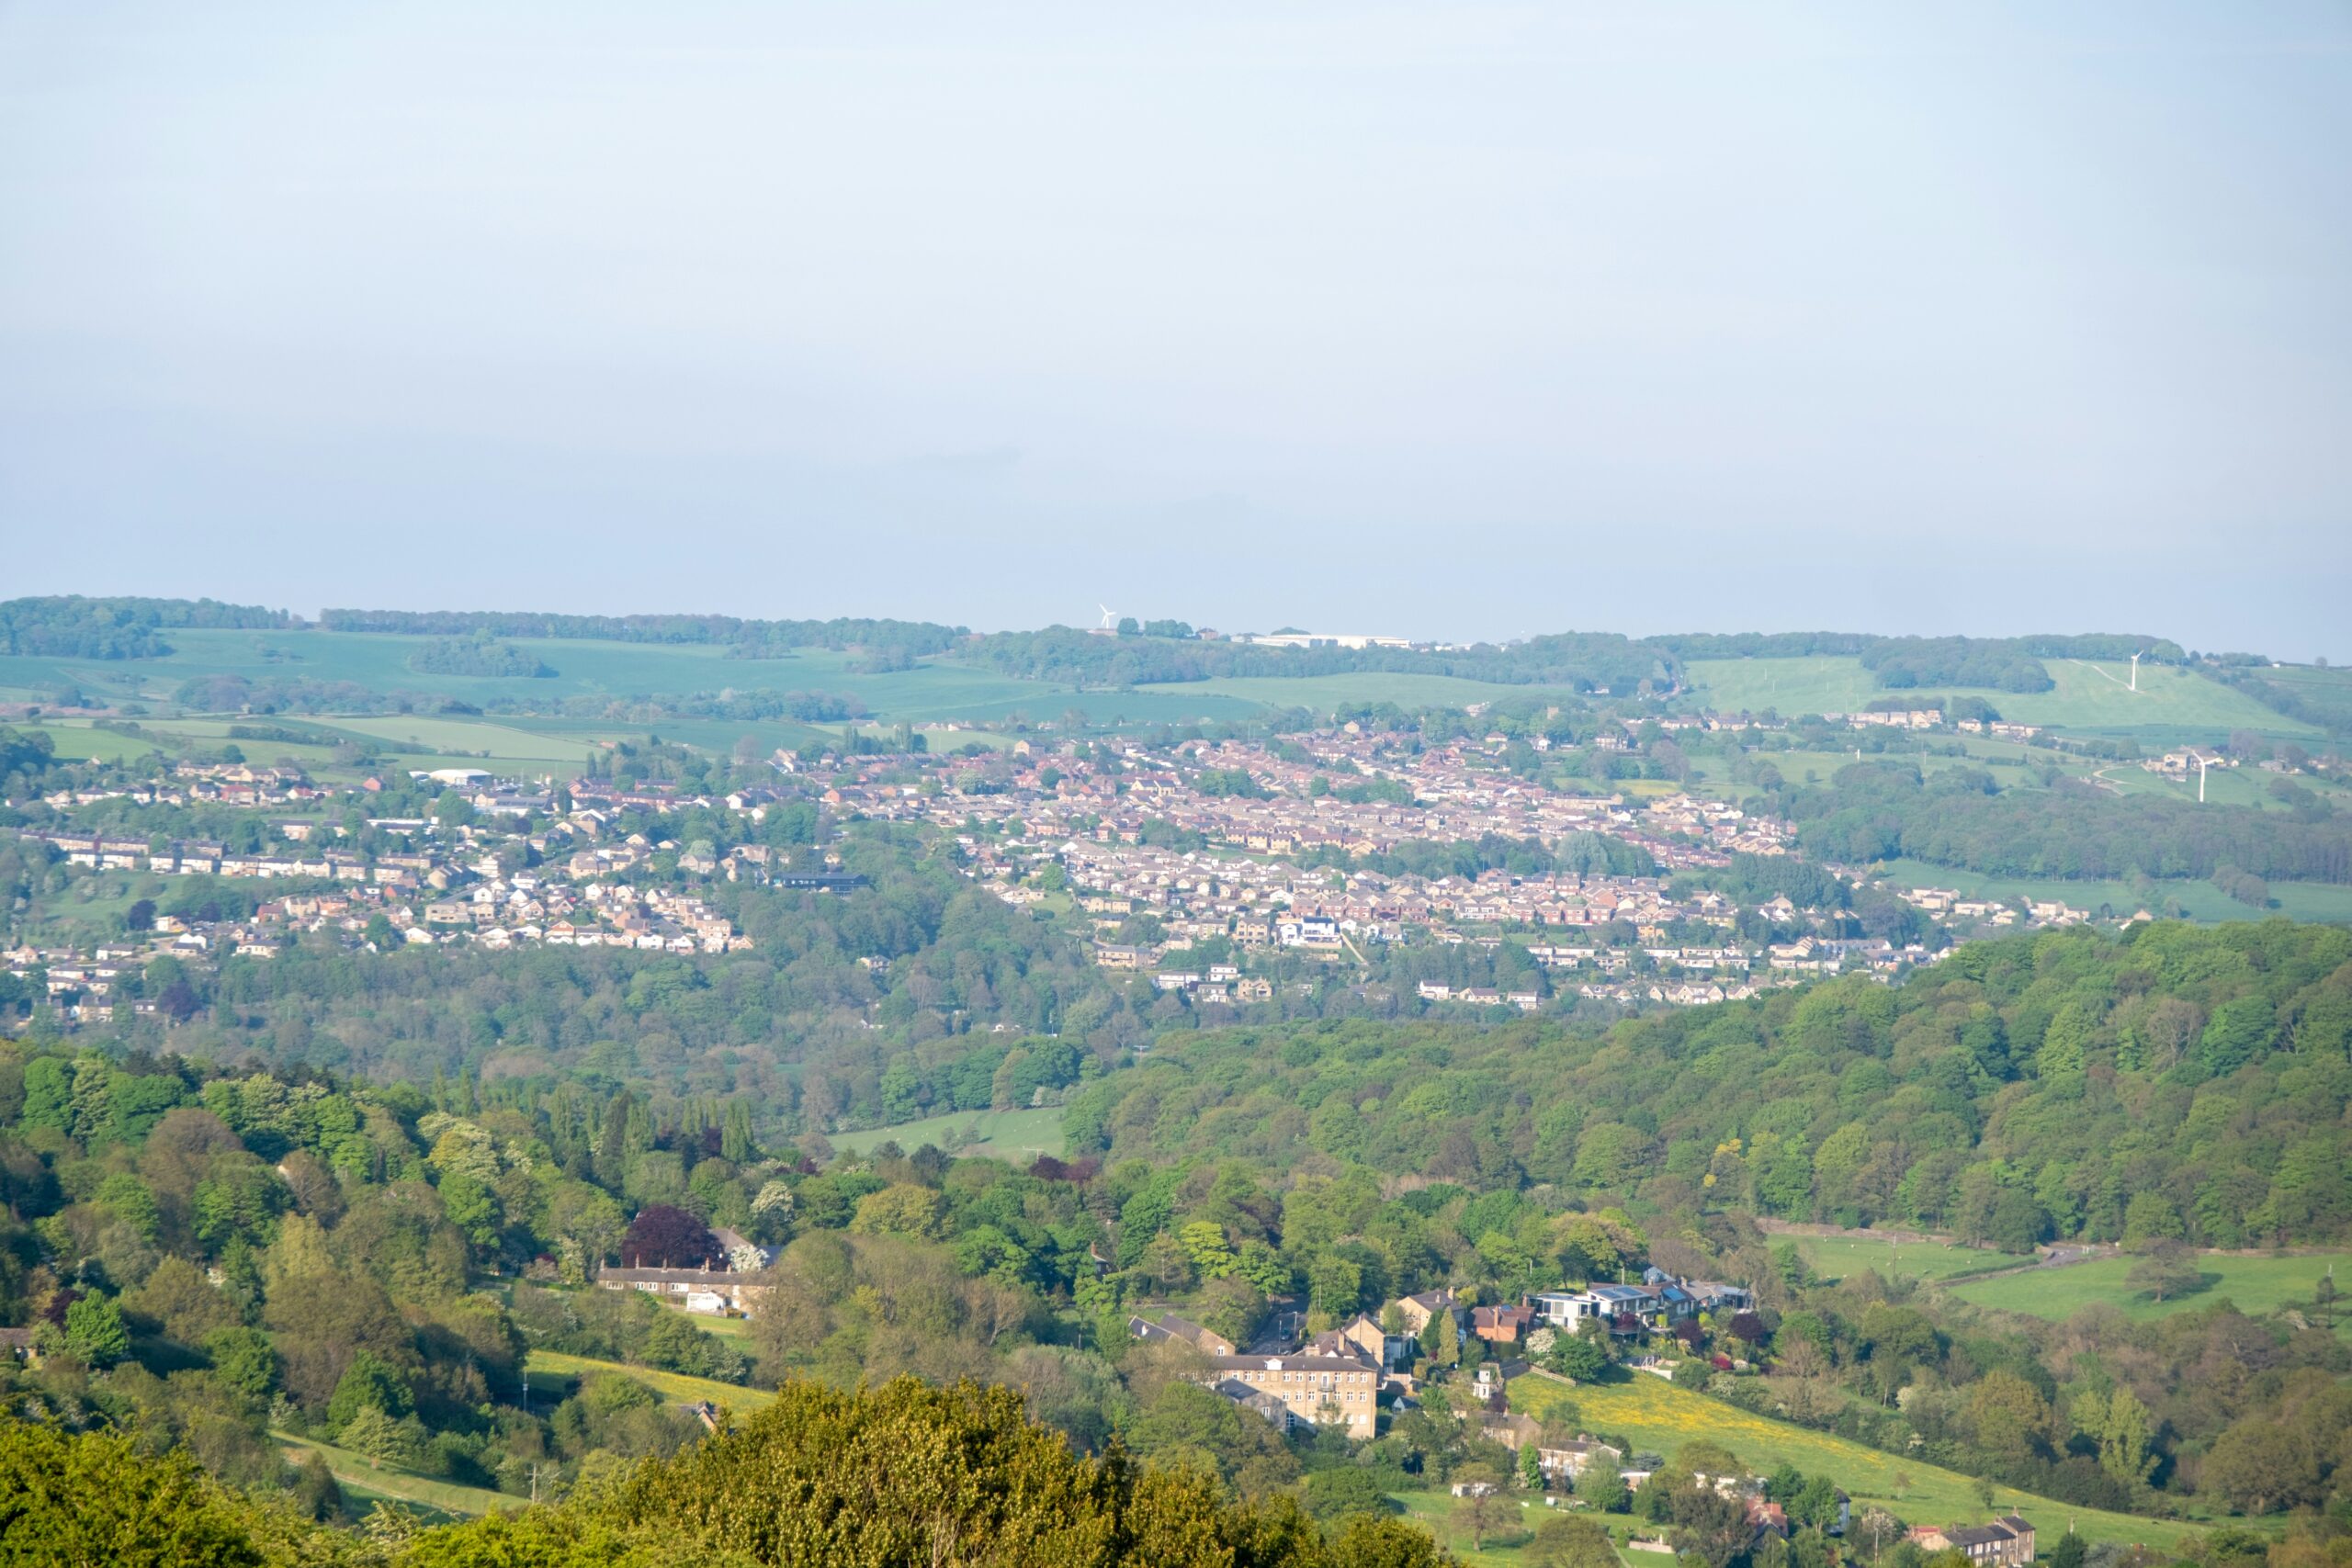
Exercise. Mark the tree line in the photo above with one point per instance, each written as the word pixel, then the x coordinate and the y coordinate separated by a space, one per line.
pixel 72 626
pixel 1963 817
pixel 916 638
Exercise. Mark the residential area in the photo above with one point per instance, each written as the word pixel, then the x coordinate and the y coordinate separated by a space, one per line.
pixel 1210 870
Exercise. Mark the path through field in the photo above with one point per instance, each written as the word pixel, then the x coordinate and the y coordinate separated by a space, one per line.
pixel 2095 670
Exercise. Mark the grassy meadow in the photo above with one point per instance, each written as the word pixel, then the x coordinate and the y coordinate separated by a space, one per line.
pixel 1005 1135
pixel 555 1374
pixel 77 740
pixel 1322 692
pixel 2258 1286
pixel 92 908
pixel 1658 1416
pixel 457 735
pixel 2086 697
pixel 2325 689
pixel 2171 704
pixel 732 1329
pixel 382 663
pixel 2224 787
pixel 1440 1513
pixel 359 1474
pixel 451 741
pixel 1840 1257
pixel 934 691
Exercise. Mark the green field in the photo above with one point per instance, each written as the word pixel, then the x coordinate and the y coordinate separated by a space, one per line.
pixel 552 1368
pixel 92 908
pixel 1440 1513
pixel 2171 703
pixel 716 734
pixel 2327 901
pixel 933 690
pixel 1838 1257
pixel 75 741
pixel 454 741
pixel 2327 692
pixel 2170 707
pixel 1656 1416
pixel 457 736
pixel 2257 1285
pixel 382 664
pixel 2224 787
pixel 1003 1134
pixel 1322 692
pixel 357 1472
pixel 2013 765
pixel 735 1329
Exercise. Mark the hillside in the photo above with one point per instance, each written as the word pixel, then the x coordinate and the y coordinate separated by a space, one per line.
pixel 590 668
pixel 2086 697
pixel 2257 1285
pixel 2025 1089
pixel 1661 1419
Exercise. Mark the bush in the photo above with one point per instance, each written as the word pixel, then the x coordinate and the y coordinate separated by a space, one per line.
pixel 1336 1494
pixel 93 1498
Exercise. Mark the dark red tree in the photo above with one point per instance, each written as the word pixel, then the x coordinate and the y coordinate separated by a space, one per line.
pixel 1749 1326
pixel 662 1237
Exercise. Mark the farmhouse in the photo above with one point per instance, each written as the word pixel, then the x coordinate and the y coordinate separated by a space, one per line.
pixel 715 1292
pixel 2007 1542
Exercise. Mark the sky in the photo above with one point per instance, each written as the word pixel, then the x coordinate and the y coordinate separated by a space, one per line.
pixel 1448 319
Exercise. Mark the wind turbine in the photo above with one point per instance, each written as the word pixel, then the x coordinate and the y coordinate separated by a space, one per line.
pixel 1110 616
pixel 2200 778
pixel 2135 671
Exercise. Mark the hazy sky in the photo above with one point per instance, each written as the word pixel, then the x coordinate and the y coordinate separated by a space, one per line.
pixel 1450 319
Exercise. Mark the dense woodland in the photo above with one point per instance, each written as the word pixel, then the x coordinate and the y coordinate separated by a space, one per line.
pixel 72 626
pixel 207 1255
pixel 2022 1089
pixel 478 655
